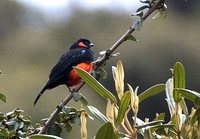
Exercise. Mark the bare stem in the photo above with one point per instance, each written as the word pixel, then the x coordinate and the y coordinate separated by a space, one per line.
pixel 97 65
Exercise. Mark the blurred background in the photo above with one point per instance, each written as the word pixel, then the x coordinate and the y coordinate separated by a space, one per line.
pixel 35 33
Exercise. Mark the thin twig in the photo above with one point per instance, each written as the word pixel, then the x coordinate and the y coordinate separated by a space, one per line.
pixel 98 64
pixel 55 113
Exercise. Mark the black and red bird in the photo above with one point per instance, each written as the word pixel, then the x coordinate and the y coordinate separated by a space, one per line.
pixel 79 55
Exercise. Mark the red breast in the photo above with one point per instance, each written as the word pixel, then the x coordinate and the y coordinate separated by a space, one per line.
pixel 73 77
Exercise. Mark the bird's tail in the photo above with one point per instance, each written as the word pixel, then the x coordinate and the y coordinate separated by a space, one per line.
pixel 39 95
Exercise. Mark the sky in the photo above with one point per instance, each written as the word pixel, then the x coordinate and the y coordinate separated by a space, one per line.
pixel 58 5
pixel 54 9
pixel 54 4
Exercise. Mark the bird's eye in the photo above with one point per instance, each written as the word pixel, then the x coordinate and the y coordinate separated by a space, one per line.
pixel 86 43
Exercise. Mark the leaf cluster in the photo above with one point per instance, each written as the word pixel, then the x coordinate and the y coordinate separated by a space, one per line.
pixel 181 125
pixel 15 125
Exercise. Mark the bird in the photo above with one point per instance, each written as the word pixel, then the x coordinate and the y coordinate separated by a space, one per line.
pixel 79 55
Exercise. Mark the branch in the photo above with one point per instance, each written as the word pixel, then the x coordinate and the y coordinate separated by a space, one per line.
pixel 99 64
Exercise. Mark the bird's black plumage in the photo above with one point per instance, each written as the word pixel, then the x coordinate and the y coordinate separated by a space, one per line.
pixel 76 55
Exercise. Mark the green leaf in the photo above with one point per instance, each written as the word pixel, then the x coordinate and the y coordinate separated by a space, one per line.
pixel 16 126
pixel 83 100
pixel 95 85
pixel 12 134
pixel 3 97
pixel 106 132
pixel 102 72
pixel 160 14
pixel 114 72
pixel 179 80
pixel 68 127
pixel 158 117
pixel 76 120
pixel 195 117
pixel 26 119
pixel 145 1
pixel 2 116
pixel 154 90
pixel 21 125
pixel 169 94
pixel 14 113
pixel 137 24
pixel 189 94
pixel 43 136
pixel 139 122
pixel 54 129
pixel 184 107
pixel 142 8
pixel 131 37
pixel 66 109
pixel 96 113
pixel 139 11
pixel 161 116
pixel 115 55
pixel 11 122
pixel 76 96
pixel 4 132
pixel 124 104
pixel 120 70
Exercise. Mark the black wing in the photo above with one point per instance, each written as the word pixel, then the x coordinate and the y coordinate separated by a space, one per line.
pixel 60 71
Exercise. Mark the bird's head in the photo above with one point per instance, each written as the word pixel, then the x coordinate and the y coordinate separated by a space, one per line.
pixel 82 43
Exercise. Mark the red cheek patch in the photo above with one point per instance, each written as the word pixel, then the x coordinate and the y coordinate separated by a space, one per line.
pixel 82 44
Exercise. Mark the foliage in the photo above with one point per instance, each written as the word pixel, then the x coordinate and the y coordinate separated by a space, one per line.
pixel 116 123
pixel 3 97
pixel 14 124
pixel 121 120
pixel 182 124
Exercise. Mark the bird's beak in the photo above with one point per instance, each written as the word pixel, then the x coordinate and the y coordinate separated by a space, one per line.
pixel 91 44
